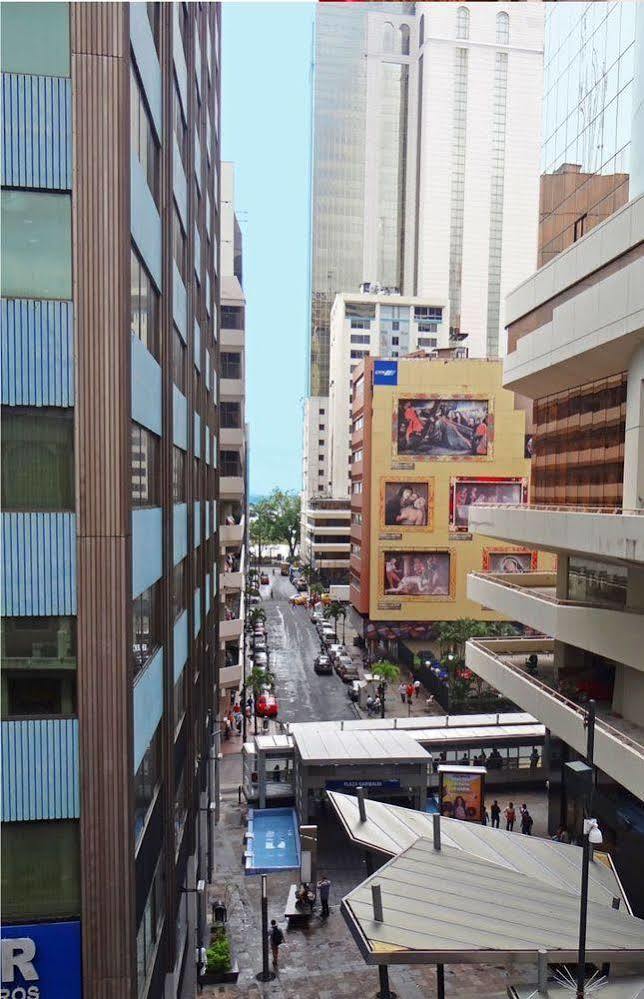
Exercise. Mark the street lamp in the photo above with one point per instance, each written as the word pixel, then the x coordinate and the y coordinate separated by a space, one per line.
pixel 592 835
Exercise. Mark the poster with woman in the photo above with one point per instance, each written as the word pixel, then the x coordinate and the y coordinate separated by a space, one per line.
pixel 407 504
pixel 468 492
pixel 433 427
pixel 417 574
pixel 509 560
pixel 461 795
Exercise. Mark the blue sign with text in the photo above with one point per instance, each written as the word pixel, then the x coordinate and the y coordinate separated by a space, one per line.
pixel 385 373
pixel 41 961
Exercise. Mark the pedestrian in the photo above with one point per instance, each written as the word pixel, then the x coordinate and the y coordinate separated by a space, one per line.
pixel 510 817
pixel 277 939
pixel 534 757
pixel 410 691
pixel 526 823
pixel 486 817
pixel 561 836
pixel 226 728
pixel 402 690
pixel 324 887
pixel 495 811
pixel 523 808
pixel 416 688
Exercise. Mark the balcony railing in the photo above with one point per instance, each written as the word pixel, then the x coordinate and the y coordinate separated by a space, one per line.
pixel 550 508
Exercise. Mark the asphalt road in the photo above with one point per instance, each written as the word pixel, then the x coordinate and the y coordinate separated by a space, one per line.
pixel 293 644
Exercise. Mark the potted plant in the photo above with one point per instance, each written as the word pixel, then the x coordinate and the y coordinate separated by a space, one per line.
pixel 221 967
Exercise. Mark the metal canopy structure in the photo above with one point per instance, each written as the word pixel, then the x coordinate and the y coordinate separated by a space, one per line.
pixel 448 906
pixel 419 722
pixel 391 829
pixel 383 746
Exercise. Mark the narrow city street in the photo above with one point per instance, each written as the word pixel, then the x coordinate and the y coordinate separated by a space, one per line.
pixel 293 645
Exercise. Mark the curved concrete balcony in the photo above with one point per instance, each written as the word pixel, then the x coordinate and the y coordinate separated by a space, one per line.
pixel 594 531
pixel 234 628
pixel 231 437
pixel 230 676
pixel 231 487
pixel 619 744
pixel 530 598
pixel 230 534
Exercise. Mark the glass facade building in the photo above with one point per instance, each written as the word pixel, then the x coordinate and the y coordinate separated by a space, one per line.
pixel 587 110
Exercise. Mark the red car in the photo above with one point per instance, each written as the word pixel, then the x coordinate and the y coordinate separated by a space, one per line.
pixel 267 706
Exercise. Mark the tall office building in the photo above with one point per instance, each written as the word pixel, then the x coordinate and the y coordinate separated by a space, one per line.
pixel 110 298
pixel 233 455
pixel 576 347
pixel 425 172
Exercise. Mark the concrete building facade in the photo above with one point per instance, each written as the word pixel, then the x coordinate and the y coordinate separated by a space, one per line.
pixel 109 323
pixel 233 448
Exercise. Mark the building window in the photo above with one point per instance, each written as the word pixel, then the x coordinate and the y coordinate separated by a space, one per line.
pixel 320 426
pixel 320 443
pixel 33 693
pixel 179 589
pixel 146 782
pixel 360 324
pixel 147 934
pixel 421 30
pixel 40 870
pixel 580 227
pixel 145 467
pixel 178 361
pixel 428 327
pixel 232 317
pixel 597 583
pixel 36 243
pixel 178 475
pixel 230 415
pixel 395 340
pixel 358 354
pixel 179 243
pixel 502 28
pixel 180 804
pixel 179 123
pixel 230 464
pixel 428 312
pixel 462 23
pixel 142 137
pixel 146 626
pixel 230 365
pixel 37 459
pixel 404 39
pixel 196 480
pixel 180 697
pixel 43 642
pixel 428 341
pixel 144 305
pixel 37 46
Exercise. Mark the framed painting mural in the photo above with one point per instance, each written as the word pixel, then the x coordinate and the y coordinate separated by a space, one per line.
pixel 426 574
pixel 509 560
pixel 406 503
pixel 468 491
pixel 443 428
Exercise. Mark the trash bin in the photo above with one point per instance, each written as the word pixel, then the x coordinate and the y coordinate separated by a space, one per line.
pixel 219 912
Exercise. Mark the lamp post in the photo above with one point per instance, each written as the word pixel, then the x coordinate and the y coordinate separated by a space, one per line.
pixel 592 835
pixel 265 975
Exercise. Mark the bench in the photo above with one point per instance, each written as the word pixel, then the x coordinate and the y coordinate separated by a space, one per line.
pixel 295 911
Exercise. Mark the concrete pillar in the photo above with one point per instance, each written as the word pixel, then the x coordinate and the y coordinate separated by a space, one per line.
pixel 261 778
pixel 633 498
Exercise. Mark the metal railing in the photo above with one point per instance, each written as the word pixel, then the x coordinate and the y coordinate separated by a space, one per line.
pixel 600 724
pixel 549 508
pixel 502 580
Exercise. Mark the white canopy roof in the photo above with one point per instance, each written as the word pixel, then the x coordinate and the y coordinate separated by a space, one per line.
pixel 388 746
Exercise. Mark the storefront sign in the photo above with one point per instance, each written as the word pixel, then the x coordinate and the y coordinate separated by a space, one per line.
pixel 41 961
pixel 351 785
pixel 461 795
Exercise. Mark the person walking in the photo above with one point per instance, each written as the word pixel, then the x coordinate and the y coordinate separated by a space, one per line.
pixel 402 690
pixel 526 822
pixel 324 887
pixel 495 812
pixel 416 688
pixel 276 938
pixel 510 817
pixel 409 691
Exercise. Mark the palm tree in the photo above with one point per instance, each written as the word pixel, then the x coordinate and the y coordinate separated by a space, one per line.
pixel 336 610
pixel 387 672
pixel 308 573
pixel 256 614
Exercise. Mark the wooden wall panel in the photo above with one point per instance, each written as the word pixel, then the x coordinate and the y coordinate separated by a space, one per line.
pixel 101 240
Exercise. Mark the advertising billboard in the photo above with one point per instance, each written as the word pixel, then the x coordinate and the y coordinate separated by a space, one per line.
pixel 41 961
pixel 385 372
pixel 509 560
pixel 449 428
pixel 424 574
pixel 461 794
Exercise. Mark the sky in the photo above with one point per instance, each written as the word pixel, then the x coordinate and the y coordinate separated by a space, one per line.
pixel 265 94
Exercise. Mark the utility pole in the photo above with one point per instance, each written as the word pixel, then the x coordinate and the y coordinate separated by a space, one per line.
pixel 583 914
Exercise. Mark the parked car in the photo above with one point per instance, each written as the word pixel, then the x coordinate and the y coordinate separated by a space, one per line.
pixel 323 665
pixel 347 671
pixel 255 598
pixel 264 579
pixel 261 660
pixel 335 650
pixel 267 706
pixel 285 569
pixel 299 598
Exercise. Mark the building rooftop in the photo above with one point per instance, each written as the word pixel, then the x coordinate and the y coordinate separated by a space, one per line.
pixel 318 746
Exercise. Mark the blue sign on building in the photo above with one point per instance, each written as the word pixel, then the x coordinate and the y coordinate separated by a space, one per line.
pixel 385 372
pixel 41 961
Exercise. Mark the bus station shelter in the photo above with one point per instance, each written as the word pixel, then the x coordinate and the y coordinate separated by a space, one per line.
pixel 387 763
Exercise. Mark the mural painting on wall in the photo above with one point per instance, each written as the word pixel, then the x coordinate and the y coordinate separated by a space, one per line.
pixel 468 492
pixel 509 560
pixel 435 427
pixel 405 503
pixel 423 574
pixel 390 630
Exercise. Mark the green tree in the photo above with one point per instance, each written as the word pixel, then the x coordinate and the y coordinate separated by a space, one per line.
pixel 308 573
pixel 276 520
pixel 260 526
pixel 387 672
pixel 316 589
pixel 255 616
pixel 334 611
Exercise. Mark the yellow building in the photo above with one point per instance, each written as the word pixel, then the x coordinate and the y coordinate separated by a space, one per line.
pixel 430 438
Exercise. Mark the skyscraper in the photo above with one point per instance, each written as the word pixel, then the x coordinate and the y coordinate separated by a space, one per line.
pixel 110 300
pixel 425 171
